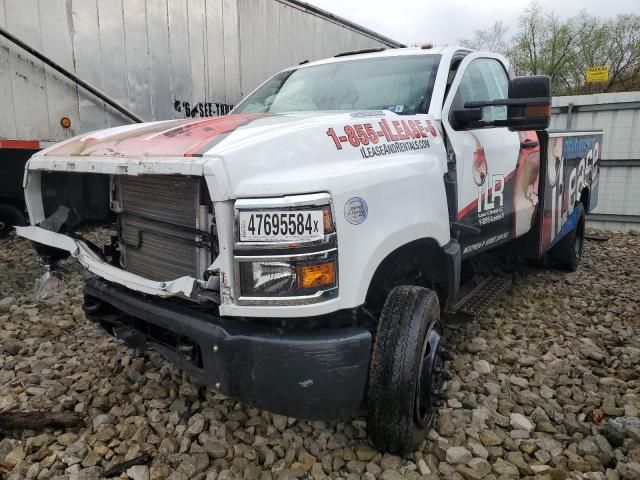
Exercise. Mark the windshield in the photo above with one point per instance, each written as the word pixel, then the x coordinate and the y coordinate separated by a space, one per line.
pixel 402 84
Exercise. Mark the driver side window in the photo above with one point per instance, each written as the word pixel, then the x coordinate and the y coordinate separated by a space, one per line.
pixel 484 79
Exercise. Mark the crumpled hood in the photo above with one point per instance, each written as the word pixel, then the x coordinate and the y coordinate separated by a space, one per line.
pixel 254 154
pixel 171 138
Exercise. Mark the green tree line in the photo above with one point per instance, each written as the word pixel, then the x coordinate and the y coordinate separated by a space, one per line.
pixel 544 44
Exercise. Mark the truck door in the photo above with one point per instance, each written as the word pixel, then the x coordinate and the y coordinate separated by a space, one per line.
pixel 485 158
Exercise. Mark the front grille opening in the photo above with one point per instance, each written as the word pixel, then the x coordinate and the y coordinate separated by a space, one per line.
pixel 161 227
pixel 86 195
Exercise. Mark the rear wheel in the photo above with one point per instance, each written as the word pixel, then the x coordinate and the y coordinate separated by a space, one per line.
pixel 567 253
pixel 10 217
pixel 407 370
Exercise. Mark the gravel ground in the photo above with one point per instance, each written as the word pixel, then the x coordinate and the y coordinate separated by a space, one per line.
pixel 546 384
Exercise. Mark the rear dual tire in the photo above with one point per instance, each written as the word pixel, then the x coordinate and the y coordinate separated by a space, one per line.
pixel 406 376
pixel 567 253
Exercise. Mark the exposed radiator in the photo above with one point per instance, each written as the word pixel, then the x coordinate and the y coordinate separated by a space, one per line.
pixel 157 221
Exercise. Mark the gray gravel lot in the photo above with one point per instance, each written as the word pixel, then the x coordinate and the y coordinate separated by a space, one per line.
pixel 546 384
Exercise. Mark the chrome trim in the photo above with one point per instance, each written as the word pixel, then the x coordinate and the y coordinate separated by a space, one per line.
pixel 311 199
pixel 317 297
pixel 322 255
pixel 331 237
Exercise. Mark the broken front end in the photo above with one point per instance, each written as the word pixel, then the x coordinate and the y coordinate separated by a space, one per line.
pixel 165 258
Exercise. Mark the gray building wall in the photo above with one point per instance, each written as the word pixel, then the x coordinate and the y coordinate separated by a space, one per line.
pixel 159 58
pixel 618 114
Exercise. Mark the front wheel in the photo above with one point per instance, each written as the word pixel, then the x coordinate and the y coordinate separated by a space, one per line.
pixel 407 370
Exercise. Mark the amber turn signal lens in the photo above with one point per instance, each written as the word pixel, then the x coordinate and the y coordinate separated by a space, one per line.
pixel 319 275
pixel 65 122
pixel 327 220
pixel 537 111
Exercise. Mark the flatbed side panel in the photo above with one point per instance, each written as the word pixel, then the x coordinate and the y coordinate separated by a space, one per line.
pixel 572 165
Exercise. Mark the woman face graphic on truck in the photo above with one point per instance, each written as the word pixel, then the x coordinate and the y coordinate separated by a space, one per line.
pixel 480 169
pixel 554 159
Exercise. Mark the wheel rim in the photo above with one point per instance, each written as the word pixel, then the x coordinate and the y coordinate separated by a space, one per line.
pixel 431 377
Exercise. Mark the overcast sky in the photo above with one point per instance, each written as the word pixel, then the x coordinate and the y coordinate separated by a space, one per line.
pixel 444 22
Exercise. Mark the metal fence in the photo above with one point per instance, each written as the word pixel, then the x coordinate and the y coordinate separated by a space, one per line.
pixel 618 114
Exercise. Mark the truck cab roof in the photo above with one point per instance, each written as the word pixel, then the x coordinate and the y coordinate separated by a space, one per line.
pixel 391 52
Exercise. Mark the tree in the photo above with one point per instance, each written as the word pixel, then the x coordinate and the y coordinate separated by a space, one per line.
pixel 607 42
pixel 622 53
pixel 492 38
pixel 544 44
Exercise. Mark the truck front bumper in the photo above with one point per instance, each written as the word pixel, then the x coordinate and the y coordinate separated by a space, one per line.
pixel 319 374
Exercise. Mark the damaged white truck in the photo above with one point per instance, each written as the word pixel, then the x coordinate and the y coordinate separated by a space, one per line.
pixel 297 254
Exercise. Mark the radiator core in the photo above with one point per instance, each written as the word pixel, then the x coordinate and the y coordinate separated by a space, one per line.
pixel 157 225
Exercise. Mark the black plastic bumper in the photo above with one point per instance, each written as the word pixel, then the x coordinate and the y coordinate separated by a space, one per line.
pixel 307 374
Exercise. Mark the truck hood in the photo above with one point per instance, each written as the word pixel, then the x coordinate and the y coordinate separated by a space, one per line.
pixel 253 154
pixel 171 138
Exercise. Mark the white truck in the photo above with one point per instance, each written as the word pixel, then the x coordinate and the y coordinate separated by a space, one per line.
pixel 297 254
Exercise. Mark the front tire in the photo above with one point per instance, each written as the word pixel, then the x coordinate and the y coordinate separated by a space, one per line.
pixel 567 253
pixel 406 378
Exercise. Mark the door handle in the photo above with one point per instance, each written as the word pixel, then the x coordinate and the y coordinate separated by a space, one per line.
pixel 529 144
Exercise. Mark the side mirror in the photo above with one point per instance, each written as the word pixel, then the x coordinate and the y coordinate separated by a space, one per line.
pixel 530 103
pixel 528 106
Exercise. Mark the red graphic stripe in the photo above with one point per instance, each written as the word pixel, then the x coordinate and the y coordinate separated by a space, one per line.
pixel 175 138
pixel 219 131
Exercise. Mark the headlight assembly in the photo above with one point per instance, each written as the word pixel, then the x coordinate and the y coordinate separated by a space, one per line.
pixel 287 279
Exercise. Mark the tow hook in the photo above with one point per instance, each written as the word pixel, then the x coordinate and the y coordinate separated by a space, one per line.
pixel 186 350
